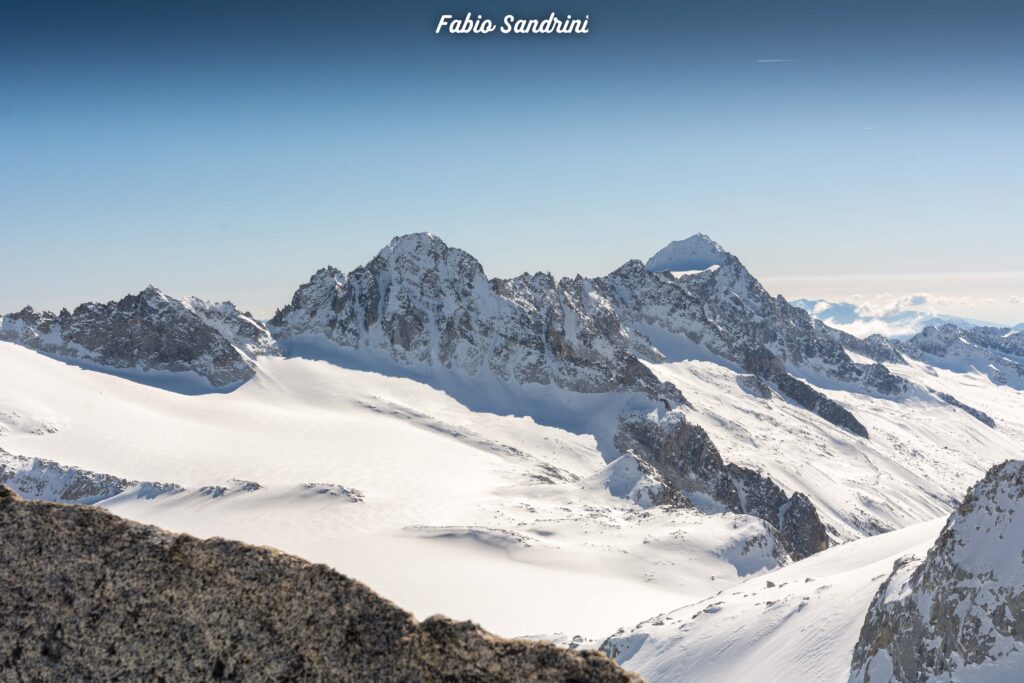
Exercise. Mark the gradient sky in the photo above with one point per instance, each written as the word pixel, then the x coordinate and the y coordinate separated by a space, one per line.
pixel 228 149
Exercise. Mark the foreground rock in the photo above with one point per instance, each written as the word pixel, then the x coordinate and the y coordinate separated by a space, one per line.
pixel 958 614
pixel 87 595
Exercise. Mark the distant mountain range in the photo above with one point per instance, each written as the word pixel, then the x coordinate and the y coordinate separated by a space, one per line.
pixel 862 321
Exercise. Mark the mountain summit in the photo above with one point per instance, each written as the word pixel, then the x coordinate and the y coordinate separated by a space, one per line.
pixel 697 252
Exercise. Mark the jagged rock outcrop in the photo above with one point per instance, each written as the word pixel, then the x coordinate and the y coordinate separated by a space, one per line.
pixel 725 310
pixel 39 479
pixel 421 302
pixel 996 351
pixel 876 347
pixel 685 458
pixel 87 595
pixel 958 613
pixel 978 415
pixel 148 331
pixel 633 478
pixel 736 317
pixel 770 368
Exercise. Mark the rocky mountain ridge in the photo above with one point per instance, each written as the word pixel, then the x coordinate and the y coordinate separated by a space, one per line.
pixel 148 331
pixel 957 613
pixel 421 304
pixel 995 351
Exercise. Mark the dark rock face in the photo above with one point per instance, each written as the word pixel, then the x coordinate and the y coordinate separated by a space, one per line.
pixel 682 453
pixel 962 605
pixel 421 302
pixel 982 417
pixel 804 395
pixel 148 331
pixel 751 321
pixel 726 311
pixel 87 595
pixel 799 522
pixel 686 459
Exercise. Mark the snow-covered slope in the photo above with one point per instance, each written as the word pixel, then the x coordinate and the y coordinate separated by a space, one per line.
pixel 494 518
pixel 922 457
pixel 956 614
pixel 797 624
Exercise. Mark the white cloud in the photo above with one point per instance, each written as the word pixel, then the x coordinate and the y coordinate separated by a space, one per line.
pixel 1018 300
pixel 868 327
pixel 895 315
pixel 887 304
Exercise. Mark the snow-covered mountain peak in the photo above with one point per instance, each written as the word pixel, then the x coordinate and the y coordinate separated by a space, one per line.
pixel 697 252
pixel 151 292
pixel 415 241
pixel 422 257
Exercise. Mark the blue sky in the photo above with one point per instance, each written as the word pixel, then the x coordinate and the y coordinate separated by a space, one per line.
pixel 228 149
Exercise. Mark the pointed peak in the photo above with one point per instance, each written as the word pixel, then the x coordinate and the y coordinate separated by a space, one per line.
pixel 630 267
pixel 416 240
pixel 697 252
pixel 151 296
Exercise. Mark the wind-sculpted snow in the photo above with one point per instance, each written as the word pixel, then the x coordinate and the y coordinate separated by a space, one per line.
pixel 795 624
pixel 958 613
pixel 148 333
pixel 342 466
pixel 632 478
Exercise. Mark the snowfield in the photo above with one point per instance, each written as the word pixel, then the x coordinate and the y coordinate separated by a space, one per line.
pixel 518 525
pixel 798 623
pixel 474 515
pixel 921 458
